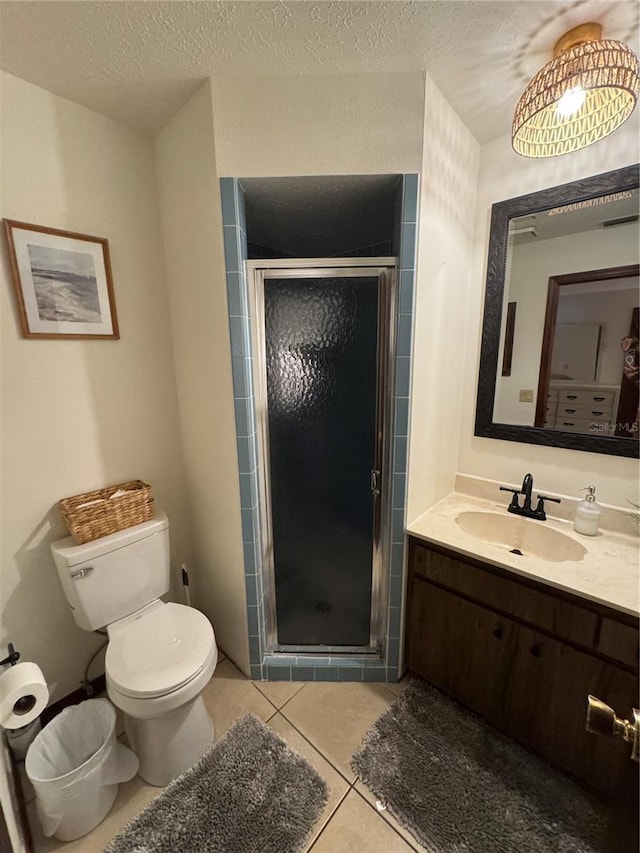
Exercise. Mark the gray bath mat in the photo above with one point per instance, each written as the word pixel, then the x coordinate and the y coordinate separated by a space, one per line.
pixel 249 793
pixel 458 785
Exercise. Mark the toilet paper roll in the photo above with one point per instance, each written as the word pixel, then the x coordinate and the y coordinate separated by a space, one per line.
pixel 23 695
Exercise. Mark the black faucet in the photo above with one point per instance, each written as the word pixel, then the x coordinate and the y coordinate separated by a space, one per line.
pixel 525 509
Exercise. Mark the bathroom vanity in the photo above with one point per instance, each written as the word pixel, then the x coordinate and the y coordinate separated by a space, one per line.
pixel 522 652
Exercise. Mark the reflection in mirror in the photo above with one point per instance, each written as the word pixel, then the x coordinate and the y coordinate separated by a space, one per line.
pixel 582 373
pixel 562 289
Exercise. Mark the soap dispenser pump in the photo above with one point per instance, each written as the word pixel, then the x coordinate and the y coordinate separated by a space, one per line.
pixel 588 514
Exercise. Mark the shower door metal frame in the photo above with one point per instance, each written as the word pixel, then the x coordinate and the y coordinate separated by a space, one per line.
pixel 385 268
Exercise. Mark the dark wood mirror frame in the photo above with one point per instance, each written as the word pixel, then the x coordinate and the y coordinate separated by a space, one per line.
pixel 618 180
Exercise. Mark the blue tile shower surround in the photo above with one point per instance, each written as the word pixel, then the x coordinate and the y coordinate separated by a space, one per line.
pixel 293 666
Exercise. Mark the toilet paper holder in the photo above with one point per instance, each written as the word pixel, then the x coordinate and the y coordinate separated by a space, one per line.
pixel 12 658
pixel 26 703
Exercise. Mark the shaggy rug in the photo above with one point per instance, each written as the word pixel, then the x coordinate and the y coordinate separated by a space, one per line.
pixel 458 785
pixel 249 793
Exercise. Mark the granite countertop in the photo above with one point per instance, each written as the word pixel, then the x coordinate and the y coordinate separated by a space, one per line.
pixel 609 572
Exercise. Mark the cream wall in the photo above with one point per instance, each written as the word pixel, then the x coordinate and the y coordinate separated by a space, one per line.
pixel 318 125
pixel 353 124
pixel 79 415
pixel 448 189
pixel 192 229
pixel 504 175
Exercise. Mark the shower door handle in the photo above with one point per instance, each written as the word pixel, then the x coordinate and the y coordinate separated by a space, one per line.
pixel 375 488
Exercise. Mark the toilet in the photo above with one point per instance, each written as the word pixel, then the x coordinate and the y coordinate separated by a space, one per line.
pixel 160 656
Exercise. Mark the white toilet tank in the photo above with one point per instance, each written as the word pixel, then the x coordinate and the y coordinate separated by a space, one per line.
pixel 111 577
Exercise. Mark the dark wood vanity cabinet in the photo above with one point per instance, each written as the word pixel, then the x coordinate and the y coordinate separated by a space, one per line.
pixel 524 656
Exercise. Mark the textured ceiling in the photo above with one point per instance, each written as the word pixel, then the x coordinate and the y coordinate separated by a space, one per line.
pixel 139 61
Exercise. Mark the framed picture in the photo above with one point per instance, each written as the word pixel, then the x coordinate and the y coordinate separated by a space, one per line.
pixel 62 282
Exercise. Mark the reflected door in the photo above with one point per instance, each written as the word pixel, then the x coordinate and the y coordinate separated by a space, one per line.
pixel 321 358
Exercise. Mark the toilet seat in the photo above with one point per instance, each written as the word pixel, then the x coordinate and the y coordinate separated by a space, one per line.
pixel 159 650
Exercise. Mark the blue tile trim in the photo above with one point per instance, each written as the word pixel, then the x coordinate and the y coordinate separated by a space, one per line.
pixel 347 673
pixel 410 198
pixel 393 649
pixel 245 424
pixel 397 525
pixel 302 673
pixel 237 295
pixel 301 666
pixel 403 344
pixel 228 200
pixel 402 416
pixel 408 246
pixel 375 674
pixel 400 454
pixel 255 654
pixel 251 589
pixel 403 375
pixel 405 302
pixel 399 487
pixel 278 673
pixel 397 559
pixel 246 454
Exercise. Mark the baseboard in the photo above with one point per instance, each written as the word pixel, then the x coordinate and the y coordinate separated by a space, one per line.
pixel 96 687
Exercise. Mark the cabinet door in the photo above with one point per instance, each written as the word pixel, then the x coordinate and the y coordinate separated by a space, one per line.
pixel 547 701
pixel 461 648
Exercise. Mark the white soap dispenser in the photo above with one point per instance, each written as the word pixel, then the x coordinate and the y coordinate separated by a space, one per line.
pixel 588 514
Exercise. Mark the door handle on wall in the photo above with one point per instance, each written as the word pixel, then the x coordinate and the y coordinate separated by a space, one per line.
pixel 375 488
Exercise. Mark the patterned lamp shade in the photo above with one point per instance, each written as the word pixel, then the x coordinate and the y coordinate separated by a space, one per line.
pixel 585 92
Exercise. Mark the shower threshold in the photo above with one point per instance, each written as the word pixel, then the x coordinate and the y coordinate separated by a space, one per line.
pixel 365 651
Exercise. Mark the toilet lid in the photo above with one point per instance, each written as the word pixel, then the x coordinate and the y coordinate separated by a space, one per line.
pixel 160 651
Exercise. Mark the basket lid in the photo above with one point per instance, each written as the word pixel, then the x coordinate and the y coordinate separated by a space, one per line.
pixel 68 553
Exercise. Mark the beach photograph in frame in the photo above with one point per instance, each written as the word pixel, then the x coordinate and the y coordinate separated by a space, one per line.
pixel 62 282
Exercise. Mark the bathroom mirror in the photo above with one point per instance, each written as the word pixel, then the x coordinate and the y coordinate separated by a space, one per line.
pixel 562 293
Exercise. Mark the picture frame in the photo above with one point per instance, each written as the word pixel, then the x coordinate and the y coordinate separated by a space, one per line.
pixel 62 281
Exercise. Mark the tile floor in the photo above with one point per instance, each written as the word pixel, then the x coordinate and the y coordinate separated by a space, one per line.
pixel 324 722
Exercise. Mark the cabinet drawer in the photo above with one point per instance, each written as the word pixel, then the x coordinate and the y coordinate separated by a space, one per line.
pixel 582 425
pixel 510 597
pixel 585 397
pixel 591 413
pixel 619 642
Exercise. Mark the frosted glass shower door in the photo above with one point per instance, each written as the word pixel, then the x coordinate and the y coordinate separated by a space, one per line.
pixel 321 360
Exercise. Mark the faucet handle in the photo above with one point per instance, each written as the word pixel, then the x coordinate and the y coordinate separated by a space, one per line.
pixel 546 498
pixel 514 500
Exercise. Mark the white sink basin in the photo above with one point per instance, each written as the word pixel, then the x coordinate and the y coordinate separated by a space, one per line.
pixel 528 537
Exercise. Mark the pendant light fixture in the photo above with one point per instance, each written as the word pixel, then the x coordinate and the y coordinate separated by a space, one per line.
pixel 585 92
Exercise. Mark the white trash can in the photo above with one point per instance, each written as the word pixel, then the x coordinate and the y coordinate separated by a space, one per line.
pixel 75 766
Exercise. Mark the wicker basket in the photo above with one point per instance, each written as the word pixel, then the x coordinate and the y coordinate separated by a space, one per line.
pixel 94 514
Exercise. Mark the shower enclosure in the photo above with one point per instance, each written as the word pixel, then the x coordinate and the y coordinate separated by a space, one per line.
pixel 323 344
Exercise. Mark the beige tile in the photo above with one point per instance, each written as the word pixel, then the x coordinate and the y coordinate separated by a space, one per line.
pixel 371 799
pixel 335 717
pixel 279 692
pixel 132 797
pixel 399 686
pixel 357 827
pixel 229 695
pixel 337 785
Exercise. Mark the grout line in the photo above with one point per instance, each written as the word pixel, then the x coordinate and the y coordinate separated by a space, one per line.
pixel 384 818
pixel 264 695
pixel 328 821
pixel 317 749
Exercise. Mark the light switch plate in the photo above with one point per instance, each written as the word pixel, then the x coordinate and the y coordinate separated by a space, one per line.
pixel 526 395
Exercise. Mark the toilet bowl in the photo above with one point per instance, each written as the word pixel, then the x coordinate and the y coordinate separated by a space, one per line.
pixel 160 656
pixel 158 662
